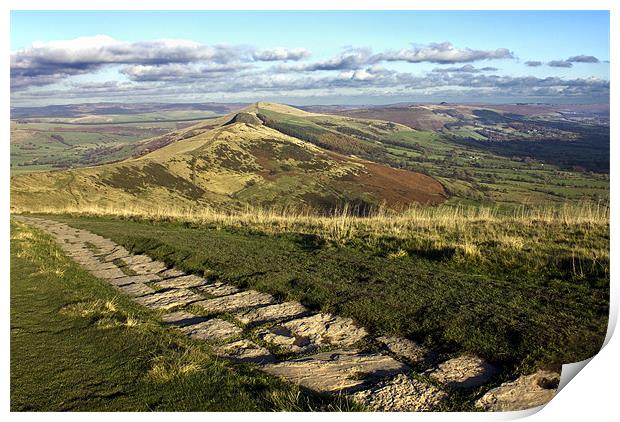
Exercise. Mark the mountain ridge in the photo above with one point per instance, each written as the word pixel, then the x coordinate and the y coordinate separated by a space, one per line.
pixel 235 160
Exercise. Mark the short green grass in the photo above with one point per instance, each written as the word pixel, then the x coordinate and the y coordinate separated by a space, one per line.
pixel 43 144
pixel 77 345
pixel 522 295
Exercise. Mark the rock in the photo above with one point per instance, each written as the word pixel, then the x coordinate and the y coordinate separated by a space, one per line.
pixel 337 371
pixel 407 349
pixel 464 372
pixel 171 272
pixel 219 289
pixel 135 289
pixel 168 299
pixel 309 333
pixel 146 278
pixel 272 313
pixel 147 267
pixel 245 351
pixel 78 252
pixel 181 318
pixel 136 259
pixel 287 340
pixel 185 281
pixel 92 264
pixel 246 299
pixel 119 253
pixel 108 274
pixel 525 392
pixel 401 394
pixel 212 330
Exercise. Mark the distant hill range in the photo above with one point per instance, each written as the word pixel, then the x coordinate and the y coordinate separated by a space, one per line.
pixel 274 155
pixel 264 154
pixel 79 110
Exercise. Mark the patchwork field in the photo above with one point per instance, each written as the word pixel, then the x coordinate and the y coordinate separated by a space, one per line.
pixel 47 145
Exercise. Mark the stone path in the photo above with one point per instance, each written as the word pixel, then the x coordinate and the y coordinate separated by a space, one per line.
pixel 321 352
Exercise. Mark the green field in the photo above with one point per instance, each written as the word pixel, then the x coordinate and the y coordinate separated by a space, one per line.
pixel 57 144
pixel 76 345
pixel 520 294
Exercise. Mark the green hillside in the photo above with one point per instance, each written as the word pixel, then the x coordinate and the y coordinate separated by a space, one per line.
pixel 239 160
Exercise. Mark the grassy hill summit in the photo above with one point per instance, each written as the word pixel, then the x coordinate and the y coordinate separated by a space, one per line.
pixel 264 155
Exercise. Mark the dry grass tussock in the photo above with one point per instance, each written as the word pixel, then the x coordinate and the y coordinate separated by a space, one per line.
pixel 106 313
pixel 45 256
pixel 344 224
pixel 179 364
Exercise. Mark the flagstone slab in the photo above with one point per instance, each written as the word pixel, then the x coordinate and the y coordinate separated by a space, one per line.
pixel 185 281
pixel 152 267
pixel 119 253
pixel 169 299
pixel 181 318
pixel 136 259
pixel 108 274
pixel 79 254
pixel 245 351
pixel 309 333
pixel 401 394
pixel 245 299
pixel 92 263
pixel 338 371
pixel 129 279
pixel 171 272
pixel 463 372
pixel 135 289
pixel 219 289
pixel 525 392
pixel 212 330
pixel 272 313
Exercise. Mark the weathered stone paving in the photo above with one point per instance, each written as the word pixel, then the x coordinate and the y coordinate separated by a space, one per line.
pixel 246 299
pixel 525 392
pixel 310 333
pixel 245 351
pixel 185 281
pixel 272 313
pixel 337 371
pixel 253 327
pixel 212 330
pixel 168 299
pixel 464 372
pixel 401 393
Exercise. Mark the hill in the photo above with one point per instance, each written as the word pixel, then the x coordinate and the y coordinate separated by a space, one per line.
pixel 568 136
pixel 265 155
pixel 486 154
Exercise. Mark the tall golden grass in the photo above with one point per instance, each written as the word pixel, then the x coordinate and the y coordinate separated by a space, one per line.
pixel 343 224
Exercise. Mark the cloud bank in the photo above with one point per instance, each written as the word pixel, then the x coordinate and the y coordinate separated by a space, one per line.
pixel 176 67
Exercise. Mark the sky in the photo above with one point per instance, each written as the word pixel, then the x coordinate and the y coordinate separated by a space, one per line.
pixel 336 57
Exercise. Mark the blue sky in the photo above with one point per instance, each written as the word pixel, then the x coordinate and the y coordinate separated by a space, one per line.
pixel 325 57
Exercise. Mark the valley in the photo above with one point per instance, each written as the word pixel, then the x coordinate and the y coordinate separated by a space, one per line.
pixel 271 155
